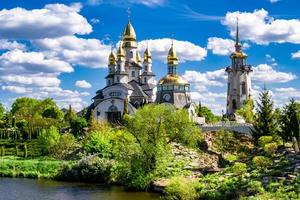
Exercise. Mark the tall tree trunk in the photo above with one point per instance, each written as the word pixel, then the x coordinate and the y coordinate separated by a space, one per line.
pixel 295 145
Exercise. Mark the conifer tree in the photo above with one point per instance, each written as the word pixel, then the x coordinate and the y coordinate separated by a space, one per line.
pixel 289 121
pixel 265 122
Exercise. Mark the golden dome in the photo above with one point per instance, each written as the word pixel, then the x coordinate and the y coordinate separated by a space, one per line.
pixel 147 56
pixel 112 58
pixel 129 36
pixel 120 53
pixel 172 58
pixel 138 58
pixel 172 79
pixel 238 54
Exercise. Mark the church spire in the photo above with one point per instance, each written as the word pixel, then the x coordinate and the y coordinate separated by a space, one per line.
pixel 238 46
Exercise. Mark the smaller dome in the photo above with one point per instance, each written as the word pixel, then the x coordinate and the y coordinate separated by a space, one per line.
pixel 239 55
pixel 147 56
pixel 112 58
pixel 172 58
pixel 120 53
pixel 172 79
pixel 138 58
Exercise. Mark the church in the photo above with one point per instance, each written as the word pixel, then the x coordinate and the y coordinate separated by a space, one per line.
pixel 130 82
pixel 239 79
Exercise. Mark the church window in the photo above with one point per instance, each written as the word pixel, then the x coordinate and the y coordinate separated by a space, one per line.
pixel 109 82
pixel 234 107
pixel 165 87
pixel 133 73
pixel 176 88
pixel 243 87
pixel 119 67
pixel 118 79
pixel 145 79
pixel 186 88
pixel 146 68
pixel 181 88
pixel 110 70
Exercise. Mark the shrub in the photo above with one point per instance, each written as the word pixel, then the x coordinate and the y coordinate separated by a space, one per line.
pixel 239 168
pixel 88 169
pixel 98 143
pixel 271 148
pixel 48 140
pixel 64 147
pixel 263 140
pixel 261 162
pixel 77 125
pixel 180 188
pixel 254 187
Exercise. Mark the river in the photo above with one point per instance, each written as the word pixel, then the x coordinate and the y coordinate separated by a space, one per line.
pixel 33 189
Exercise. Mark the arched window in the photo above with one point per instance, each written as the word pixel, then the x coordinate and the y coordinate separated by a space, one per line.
pixel 243 87
pixel 133 73
pixel 145 79
pixel 234 107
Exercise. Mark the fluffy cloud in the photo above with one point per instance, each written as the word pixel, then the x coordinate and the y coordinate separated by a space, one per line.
pixel 220 46
pixel 261 28
pixel 78 51
pixel 32 79
pixel 296 55
pixel 149 3
pixel 17 61
pixel 266 73
pixel 83 84
pixel 54 20
pixel 11 45
pixel 186 51
pixel 16 89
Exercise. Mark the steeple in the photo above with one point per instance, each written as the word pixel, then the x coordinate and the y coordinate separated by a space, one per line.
pixel 112 57
pixel 172 58
pixel 238 46
pixel 129 36
pixel 120 53
pixel 147 55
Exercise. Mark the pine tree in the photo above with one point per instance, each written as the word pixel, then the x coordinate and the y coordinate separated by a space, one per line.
pixel 265 122
pixel 289 120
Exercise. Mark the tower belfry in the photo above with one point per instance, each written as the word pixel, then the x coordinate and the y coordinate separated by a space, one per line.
pixel 239 79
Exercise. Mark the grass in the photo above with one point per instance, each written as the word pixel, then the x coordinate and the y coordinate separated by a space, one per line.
pixel 11 166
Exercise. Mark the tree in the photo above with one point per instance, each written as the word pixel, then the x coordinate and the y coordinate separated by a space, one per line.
pixel 204 111
pixel 247 111
pixel 264 123
pixel 48 139
pixel 289 120
pixel 70 115
pixel 156 126
pixel 2 111
pixel 77 125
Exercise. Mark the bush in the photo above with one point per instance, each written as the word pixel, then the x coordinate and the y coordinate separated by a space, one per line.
pixel 263 140
pixel 261 162
pixel 271 148
pixel 98 143
pixel 48 140
pixel 77 125
pixel 180 188
pixel 64 147
pixel 88 169
pixel 239 168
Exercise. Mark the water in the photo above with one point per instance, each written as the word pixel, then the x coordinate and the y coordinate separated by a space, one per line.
pixel 32 189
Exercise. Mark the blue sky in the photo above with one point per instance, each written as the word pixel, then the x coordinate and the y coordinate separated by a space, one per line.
pixel 59 48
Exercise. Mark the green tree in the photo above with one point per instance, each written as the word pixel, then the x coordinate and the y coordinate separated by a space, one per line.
pixel 48 140
pixel 264 123
pixel 247 111
pixel 70 115
pixel 77 126
pixel 289 120
pixel 2 111
pixel 204 111
pixel 156 126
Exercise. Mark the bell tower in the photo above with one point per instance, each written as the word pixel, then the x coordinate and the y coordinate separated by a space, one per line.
pixel 239 79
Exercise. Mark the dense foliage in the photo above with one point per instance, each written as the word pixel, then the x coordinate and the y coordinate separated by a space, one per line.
pixel 247 111
pixel 204 111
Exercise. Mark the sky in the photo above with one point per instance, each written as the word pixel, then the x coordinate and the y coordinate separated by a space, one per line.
pixel 59 48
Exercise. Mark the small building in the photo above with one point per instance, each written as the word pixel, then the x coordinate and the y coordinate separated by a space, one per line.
pixel 239 79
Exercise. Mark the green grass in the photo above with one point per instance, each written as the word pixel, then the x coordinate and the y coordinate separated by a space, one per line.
pixel 11 166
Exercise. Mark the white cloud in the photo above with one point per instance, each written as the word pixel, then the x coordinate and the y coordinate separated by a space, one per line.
pixel 54 20
pixel 266 73
pixel 78 51
pixel 11 45
pixel 83 84
pixel 149 3
pixel 32 79
pixel 271 60
pixel 261 28
pixel 220 46
pixel 186 51
pixel 296 55
pixel 17 61
pixel 16 89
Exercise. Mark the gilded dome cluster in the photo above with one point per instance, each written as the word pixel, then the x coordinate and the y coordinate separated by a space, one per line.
pixel 129 36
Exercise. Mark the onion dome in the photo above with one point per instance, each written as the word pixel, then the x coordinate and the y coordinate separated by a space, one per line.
pixel 238 54
pixel 120 53
pixel 138 58
pixel 147 56
pixel 112 58
pixel 129 36
pixel 172 58
pixel 172 79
